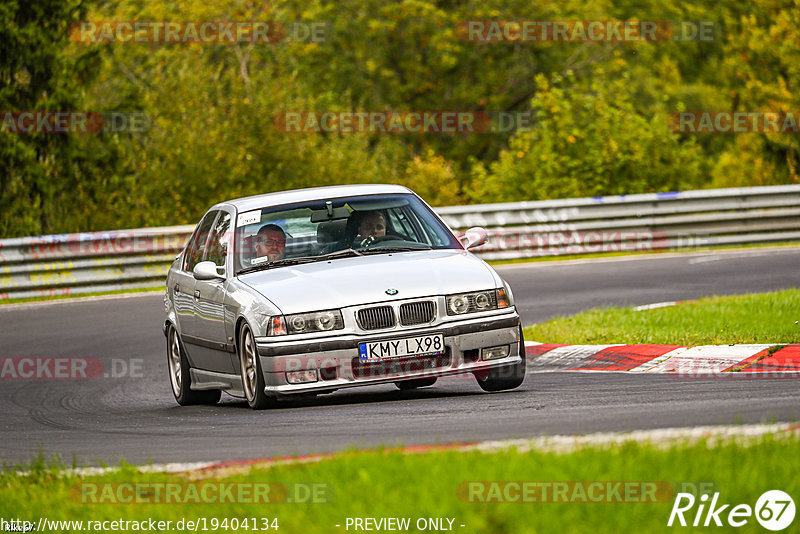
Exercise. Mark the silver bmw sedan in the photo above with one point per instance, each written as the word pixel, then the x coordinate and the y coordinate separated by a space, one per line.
pixel 314 290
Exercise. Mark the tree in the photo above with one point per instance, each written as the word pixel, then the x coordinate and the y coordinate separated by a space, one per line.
pixel 588 140
pixel 40 173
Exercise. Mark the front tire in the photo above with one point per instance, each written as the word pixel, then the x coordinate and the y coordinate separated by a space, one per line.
pixel 507 377
pixel 252 376
pixel 180 378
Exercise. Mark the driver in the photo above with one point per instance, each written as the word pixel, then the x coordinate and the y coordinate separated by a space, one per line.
pixel 371 226
pixel 269 243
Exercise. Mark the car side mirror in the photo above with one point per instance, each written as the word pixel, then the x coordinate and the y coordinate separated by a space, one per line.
pixel 207 270
pixel 474 237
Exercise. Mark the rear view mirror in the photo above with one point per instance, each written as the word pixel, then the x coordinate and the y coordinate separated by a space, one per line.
pixel 330 215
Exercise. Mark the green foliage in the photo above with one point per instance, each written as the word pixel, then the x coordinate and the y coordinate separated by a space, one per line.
pixel 601 108
pixel 36 171
pixel 432 177
pixel 588 143
pixel 761 69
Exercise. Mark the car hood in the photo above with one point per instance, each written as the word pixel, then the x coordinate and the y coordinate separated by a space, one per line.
pixel 353 281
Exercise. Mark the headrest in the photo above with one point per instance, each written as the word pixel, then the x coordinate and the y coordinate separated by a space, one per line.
pixel 331 231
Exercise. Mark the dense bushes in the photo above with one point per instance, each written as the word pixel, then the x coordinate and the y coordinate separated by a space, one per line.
pixel 600 108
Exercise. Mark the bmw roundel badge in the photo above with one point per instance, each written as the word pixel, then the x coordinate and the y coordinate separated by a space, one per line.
pixel 391 292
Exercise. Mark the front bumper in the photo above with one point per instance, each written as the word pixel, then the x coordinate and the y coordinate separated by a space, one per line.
pixel 336 358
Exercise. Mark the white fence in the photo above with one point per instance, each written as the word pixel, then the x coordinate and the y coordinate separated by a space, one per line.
pixel 125 259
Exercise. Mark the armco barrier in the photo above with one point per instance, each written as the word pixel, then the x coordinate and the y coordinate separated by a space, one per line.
pixel 88 262
pixel 678 220
pixel 125 259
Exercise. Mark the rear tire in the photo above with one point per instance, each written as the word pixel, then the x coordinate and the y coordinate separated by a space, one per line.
pixel 181 379
pixel 406 385
pixel 252 376
pixel 507 377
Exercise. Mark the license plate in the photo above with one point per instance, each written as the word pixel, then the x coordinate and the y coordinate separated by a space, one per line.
pixel 397 348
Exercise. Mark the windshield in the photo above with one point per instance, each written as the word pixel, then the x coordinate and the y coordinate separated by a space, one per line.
pixel 339 227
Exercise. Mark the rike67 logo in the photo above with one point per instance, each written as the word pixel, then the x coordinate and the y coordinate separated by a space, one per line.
pixel 774 510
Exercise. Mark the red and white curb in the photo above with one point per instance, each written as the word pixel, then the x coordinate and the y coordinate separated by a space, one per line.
pixel 772 360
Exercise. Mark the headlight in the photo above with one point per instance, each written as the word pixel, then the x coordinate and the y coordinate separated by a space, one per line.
pixel 458 304
pixel 478 301
pixel 304 323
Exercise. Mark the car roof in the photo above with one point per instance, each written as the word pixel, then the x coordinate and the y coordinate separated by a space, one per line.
pixel 312 193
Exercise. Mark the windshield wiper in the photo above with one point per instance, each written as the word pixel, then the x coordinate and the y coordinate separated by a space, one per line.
pixel 341 254
pixel 344 253
pixel 303 259
pixel 280 263
pixel 379 249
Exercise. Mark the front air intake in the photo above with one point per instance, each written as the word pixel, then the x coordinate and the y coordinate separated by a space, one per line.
pixel 376 318
pixel 417 312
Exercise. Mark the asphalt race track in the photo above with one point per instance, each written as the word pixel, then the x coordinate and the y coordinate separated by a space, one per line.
pixel 136 418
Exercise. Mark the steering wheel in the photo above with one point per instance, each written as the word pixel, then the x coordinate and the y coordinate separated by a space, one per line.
pixel 372 240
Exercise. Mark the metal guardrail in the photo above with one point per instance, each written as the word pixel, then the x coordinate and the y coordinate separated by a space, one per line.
pixel 126 259
pixel 67 264
pixel 679 220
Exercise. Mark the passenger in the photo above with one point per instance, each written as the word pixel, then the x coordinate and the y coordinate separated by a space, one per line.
pixel 269 243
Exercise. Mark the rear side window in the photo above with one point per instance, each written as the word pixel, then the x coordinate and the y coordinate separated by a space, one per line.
pixel 196 248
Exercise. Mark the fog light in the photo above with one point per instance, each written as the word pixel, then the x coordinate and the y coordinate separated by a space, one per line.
pixel 301 377
pixel 493 353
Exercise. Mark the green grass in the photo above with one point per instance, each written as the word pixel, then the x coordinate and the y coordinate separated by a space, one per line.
pixel 754 318
pixel 81 295
pixel 390 484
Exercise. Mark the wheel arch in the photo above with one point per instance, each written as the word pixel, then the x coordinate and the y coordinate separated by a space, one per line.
pixel 241 321
pixel 168 323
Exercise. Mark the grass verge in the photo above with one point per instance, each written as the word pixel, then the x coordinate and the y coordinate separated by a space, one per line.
pixel 381 484
pixel 754 318
pixel 82 295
